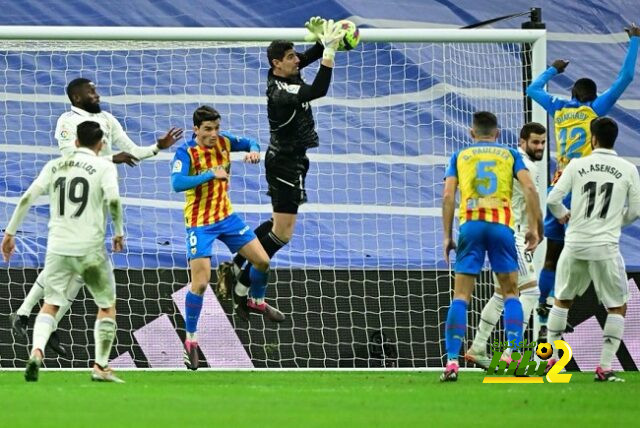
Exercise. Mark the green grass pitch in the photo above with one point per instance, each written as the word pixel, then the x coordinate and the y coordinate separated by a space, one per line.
pixel 309 399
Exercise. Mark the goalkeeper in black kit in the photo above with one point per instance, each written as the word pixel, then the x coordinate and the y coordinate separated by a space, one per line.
pixel 293 132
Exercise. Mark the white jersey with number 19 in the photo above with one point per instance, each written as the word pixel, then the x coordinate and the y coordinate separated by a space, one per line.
pixel 79 188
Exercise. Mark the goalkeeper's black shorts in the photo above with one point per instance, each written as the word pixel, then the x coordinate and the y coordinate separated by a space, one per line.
pixel 286 174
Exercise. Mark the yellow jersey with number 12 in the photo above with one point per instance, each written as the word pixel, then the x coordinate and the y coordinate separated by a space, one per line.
pixel 573 134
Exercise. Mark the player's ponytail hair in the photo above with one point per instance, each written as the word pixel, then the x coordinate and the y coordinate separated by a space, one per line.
pixel 584 90
pixel 605 130
pixel 203 114
pixel 89 133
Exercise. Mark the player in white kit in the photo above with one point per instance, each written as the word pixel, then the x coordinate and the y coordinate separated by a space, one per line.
pixel 85 105
pixel 81 186
pixel 601 184
pixel 533 138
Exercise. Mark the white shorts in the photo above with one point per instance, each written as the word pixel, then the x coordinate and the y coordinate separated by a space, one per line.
pixel 75 284
pixel 609 277
pixel 60 278
pixel 526 271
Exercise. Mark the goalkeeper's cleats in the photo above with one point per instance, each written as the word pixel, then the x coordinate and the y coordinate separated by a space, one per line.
pixel 226 280
pixel 480 359
pixel 55 345
pixel 606 376
pixel 99 374
pixel 19 325
pixel 450 373
pixel 266 310
pixel 32 369
pixel 191 356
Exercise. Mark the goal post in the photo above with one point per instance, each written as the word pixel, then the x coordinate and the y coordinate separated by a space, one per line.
pixel 362 281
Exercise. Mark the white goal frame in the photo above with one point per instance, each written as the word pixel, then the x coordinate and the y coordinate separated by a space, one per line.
pixel 537 39
pixel 88 36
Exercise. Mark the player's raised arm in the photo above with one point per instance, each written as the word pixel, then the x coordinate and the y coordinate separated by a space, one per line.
pixel 536 89
pixel 315 26
pixel 122 140
pixel 604 102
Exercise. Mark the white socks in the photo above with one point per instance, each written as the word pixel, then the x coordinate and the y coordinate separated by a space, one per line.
pixel 45 325
pixel 611 337
pixel 241 289
pixel 529 299
pixel 556 324
pixel 103 334
pixel 488 319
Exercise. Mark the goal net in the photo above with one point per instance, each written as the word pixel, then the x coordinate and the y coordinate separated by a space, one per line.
pixel 362 282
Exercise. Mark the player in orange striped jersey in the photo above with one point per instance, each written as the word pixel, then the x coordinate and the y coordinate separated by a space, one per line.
pixel 200 168
pixel 484 172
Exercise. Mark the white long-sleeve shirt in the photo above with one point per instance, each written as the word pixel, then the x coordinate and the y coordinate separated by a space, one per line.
pixel 81 187
pixel 600 185
pixel 518 203
pixel 66 133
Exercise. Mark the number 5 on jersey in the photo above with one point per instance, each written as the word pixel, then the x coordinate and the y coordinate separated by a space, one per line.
pixel 486 179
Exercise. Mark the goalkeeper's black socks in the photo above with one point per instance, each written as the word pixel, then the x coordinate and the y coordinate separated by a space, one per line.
pixel 260 231
pixel 271 244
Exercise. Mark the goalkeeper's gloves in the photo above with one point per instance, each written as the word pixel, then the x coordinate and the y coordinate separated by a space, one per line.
pixel 314 26
pixel 332 33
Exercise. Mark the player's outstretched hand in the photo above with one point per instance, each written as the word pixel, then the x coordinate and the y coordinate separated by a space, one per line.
pixel 449 246
pixel 170 138
pixel 117 244
pixel 220 173
pixel 633 30
pixel 332 33
pixel 314 26
pixel 124 157
pixel 532 239
pixel 8 246
pixel 560 65
pixel 252 157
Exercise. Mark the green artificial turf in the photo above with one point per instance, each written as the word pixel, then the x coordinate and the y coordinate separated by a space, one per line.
pixel 308 399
